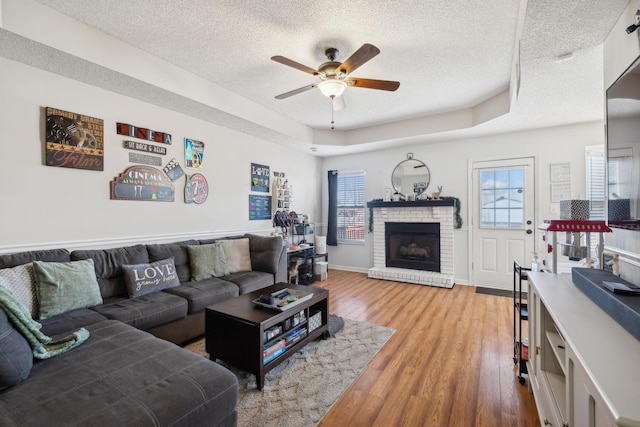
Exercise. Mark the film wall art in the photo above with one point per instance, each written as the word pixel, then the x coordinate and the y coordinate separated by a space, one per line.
pixel 144 183
pixel 73 140
pixel 143 133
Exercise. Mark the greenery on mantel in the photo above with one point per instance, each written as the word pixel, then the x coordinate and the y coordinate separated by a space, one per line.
pixel 371 215
pixel 456 215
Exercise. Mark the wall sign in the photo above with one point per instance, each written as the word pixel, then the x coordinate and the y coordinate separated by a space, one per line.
pixel 141 146
pixel 259 178
pixel 173 170
pixel 196 190
pixel 74 140
pixel 193 153
pixel 259 207
pixel 142 183
pixel 144 159
pixel 143 133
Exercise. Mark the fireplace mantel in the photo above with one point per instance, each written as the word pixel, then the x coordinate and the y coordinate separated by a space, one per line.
pixel 416 203
pixel 434 211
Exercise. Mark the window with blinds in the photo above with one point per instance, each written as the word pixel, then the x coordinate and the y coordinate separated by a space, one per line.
pixel 596 181
pixel 351 206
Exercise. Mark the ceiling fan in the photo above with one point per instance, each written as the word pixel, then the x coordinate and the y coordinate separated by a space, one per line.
pixel 334 75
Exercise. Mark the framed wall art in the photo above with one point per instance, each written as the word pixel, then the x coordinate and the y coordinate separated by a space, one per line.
pixel 196 189
pixel 259 207
pixel 260 178
pixel 193 153
pixel 73 140
pixel 144 183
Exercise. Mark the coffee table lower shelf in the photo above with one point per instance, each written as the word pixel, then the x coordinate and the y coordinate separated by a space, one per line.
pixel 235 329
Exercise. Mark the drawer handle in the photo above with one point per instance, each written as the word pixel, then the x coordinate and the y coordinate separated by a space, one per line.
pixel 547 422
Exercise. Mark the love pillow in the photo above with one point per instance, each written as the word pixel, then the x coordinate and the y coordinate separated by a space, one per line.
pixel 142 279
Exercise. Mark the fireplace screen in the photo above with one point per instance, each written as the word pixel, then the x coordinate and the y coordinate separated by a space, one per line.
pixel 413 245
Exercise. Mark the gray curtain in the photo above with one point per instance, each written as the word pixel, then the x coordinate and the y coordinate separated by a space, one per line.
pixel 332 225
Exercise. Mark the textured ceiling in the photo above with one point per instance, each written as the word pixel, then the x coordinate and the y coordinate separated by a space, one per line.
pixel 447 54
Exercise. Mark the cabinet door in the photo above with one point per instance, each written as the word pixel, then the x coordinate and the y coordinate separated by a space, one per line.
pixel 586 407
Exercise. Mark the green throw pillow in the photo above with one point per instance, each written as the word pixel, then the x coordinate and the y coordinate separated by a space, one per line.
pixel 142 279
pixel 207 261
pixel 65 286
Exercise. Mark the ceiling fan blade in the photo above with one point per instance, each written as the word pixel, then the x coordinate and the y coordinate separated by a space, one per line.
pixel 338 103
pixel 359 57
pixel 374 84
pixel 294 64
pixel 295 91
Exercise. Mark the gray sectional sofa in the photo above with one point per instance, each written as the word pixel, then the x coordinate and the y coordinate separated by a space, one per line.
pixel 129 371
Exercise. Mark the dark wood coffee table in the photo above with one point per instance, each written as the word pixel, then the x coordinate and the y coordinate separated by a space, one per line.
pixel 235 329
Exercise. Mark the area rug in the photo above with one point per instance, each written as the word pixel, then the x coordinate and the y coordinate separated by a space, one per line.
pixel 301 390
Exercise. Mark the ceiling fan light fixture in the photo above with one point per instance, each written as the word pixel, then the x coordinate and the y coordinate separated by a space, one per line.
pixel 332 88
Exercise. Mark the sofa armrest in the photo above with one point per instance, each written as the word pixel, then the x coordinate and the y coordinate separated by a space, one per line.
pixel 282 275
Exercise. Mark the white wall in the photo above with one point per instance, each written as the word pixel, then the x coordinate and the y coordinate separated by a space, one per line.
pixel 45 206
pixel 448 163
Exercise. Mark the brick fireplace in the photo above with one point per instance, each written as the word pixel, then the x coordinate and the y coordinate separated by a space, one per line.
pixel 387 215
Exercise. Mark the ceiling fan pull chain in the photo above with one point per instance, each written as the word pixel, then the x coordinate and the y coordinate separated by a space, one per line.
pixel 332 111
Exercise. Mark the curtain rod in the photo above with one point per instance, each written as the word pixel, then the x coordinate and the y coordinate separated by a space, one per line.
pixel 351 172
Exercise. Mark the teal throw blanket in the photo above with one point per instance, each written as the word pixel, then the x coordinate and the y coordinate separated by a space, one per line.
pixel 43 346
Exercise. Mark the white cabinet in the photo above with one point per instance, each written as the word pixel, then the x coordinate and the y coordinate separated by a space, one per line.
pixel 588 407
pixel 584 368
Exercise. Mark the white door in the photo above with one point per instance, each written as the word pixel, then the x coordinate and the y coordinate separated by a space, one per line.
pixel 503 223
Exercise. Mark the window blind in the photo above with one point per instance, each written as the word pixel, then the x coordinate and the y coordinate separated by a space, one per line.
pixel 351 206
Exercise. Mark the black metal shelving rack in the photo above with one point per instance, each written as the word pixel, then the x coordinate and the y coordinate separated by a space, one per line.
pixel 521 312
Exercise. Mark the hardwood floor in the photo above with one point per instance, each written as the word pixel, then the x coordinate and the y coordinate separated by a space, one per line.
pixel 449 362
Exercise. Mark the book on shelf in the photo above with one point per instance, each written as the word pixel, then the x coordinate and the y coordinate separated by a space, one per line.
pixel 274 350
pixel 295 336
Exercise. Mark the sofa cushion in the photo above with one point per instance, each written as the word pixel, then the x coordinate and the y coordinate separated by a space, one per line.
pixel 48 255
pixel 63 324
pixel 249 281
pixel 205 292
pixel 21 281
pixel 108 264
pixel 265 252
pixel 122 377
pixel 208 261
pixel 142 279
pixel 179 253
pixel 237 254
pixel 65 286
pixel 16 356
pixel 145 312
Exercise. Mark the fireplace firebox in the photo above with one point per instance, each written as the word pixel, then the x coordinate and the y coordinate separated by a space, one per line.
pixel 413 245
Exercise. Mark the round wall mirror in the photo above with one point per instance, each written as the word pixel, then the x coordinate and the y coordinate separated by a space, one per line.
pixel 411 177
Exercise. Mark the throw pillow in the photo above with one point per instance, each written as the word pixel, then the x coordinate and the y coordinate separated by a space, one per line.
pixel 65 286
pixel 142 279
pixel 22 284
pixel 236 252
pixel 16 356
pixel 207 261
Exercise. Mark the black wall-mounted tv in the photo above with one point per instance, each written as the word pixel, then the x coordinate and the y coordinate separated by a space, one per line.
pixel 623 150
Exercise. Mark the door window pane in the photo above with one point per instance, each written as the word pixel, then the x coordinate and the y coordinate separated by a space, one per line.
pixel 502 194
